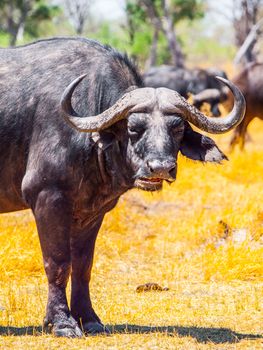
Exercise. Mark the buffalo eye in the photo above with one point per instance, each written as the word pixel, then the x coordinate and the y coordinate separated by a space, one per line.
pixel 135 132
pixel 177 127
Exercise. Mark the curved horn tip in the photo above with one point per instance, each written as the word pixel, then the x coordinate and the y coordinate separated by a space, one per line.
pixel 78 79
pixel 65 101
pixel 220 78
pixel 223 80
pixel 216 125
pixel 72 85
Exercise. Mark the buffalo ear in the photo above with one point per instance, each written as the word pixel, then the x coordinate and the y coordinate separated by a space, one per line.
pixel 199 147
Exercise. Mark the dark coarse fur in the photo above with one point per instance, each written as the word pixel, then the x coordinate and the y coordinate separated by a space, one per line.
pixel 33 78
pixel 70 179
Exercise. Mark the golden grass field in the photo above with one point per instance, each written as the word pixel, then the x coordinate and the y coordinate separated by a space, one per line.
pixel 201 237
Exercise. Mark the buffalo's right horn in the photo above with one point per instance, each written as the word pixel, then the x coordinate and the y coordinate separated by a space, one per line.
pixel 133 101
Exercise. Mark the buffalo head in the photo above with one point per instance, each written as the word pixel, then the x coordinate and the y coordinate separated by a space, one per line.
pixel 157 129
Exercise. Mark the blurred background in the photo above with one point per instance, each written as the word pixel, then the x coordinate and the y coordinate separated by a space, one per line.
pixel 153 32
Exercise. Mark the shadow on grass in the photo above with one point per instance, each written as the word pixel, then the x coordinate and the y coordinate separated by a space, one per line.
pixel 201 334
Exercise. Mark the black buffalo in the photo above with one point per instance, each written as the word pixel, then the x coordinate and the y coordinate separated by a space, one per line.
pixel 77 130
pixel 189 81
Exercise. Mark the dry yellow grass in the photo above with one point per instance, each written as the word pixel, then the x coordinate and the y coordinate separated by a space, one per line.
pixel 202 237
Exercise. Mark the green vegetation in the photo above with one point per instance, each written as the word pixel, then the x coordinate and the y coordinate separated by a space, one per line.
pixel 19 17
pixel 159 18
pixel 144 34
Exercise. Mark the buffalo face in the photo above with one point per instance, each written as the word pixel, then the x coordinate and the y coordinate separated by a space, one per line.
pixel 154 140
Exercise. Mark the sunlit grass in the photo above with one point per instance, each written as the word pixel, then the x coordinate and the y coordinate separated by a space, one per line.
pixel 202 237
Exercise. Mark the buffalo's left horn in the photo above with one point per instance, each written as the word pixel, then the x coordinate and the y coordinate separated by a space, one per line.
pixel 133 101
pixel 213 125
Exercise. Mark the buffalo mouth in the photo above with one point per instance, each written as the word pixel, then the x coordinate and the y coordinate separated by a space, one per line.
pixel 149 184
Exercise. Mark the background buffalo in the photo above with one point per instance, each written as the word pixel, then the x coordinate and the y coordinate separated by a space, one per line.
pixel 189 81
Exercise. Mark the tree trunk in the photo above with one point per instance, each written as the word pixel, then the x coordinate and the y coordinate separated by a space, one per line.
pixel 80 27
pixel 153 53
pixel 246 51
pixel 169 31
pixel 12 39
pixel 11 26
pixel 246 31
pixel 16 27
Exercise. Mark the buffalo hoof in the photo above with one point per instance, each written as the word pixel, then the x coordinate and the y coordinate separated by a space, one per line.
pixel 94 328
pixel 65 328
pixel 67 332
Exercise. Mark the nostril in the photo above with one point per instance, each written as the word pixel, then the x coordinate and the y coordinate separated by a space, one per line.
pixel 150 166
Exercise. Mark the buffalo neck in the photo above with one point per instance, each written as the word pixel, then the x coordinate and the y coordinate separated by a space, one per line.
pixel 103 179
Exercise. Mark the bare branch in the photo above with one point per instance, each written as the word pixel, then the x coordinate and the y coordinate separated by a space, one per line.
pixel 78 12
pixel 250 41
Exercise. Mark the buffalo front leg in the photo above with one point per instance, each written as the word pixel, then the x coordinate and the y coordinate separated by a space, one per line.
pixel 82 252
pixel 53 218
pixel 240 133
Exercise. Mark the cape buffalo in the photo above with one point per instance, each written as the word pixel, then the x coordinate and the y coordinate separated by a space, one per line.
pixel 77 130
